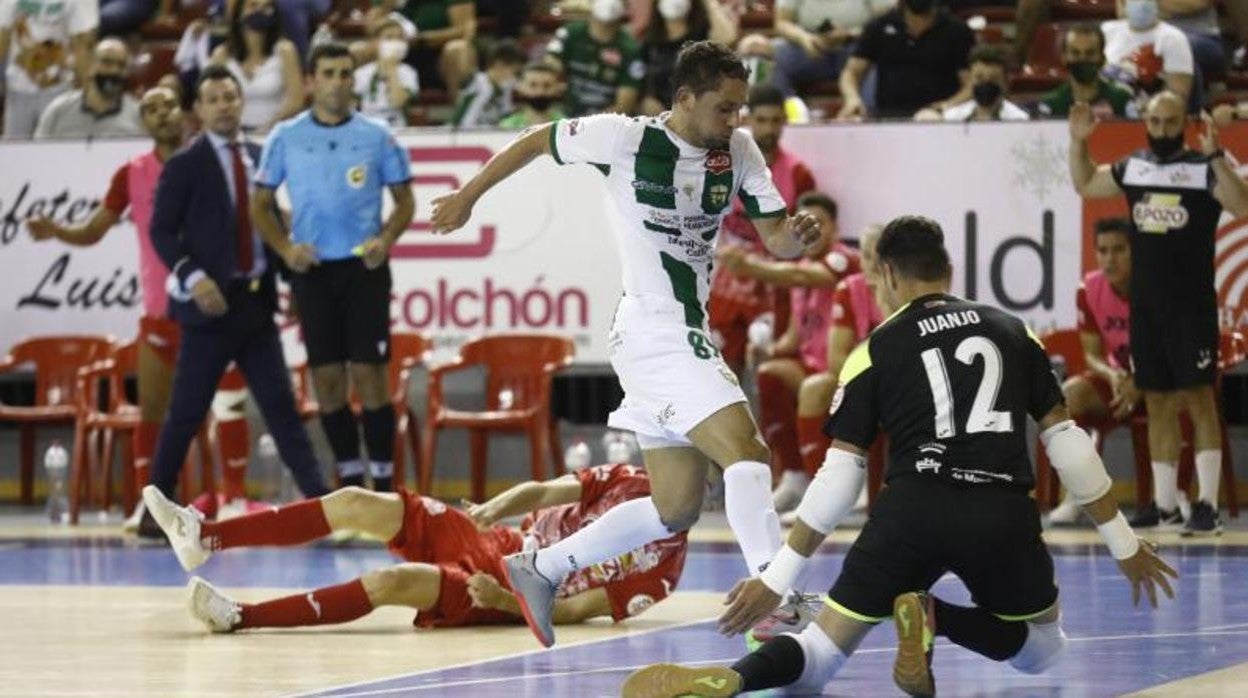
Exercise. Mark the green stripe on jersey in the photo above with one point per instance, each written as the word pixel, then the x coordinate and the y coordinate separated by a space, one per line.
pixel 655 167
pixel 752 208
pixel 554 145
pixel 685 288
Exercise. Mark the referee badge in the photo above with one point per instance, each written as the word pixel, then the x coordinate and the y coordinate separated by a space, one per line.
pixel 356 177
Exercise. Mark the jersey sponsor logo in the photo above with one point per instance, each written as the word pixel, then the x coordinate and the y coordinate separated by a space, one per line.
pixel 1159 213
pixel 574 125
pixel 1178 175
pixel 652 187
pixel 837 398
pixel 665 415
pixel 356 177
pixel 718 162
pixel 639 603
pixel 933 447
pixel 923 465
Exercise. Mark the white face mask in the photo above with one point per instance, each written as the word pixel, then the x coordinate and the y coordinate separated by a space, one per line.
pixel 607 10
pixel 675 9
pixel 392 49
pixel 1141 14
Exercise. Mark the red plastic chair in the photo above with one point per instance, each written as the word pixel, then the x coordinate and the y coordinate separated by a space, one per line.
pixel 97 434
pixel 1043 70
pixel 519 370
pixel 407 351
pixel 1064 344
pixel 56 360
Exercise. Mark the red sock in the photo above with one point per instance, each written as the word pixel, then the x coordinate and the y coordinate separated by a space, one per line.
pixel 234 440
pixel 813 444
pixel 288 525
pixel 145 437
pixel 777 407
pixel 336 604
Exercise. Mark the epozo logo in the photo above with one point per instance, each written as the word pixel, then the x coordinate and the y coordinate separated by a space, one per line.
pixel 437 171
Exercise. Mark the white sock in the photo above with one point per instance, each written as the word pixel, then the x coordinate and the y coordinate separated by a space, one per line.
pixel 747 501
pixel 382 468
pixel 1165 485
pixel 621 529
pixel 1208 474
pixel 823 658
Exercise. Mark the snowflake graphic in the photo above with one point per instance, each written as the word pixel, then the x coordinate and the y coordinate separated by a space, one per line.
pixel 1039 166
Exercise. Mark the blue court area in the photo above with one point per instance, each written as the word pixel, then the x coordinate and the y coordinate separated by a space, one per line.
pixel 1114 648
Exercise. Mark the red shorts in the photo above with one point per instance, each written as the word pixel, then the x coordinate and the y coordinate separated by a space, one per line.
pixel 436 534
pixel 162 336
pixel 1105 390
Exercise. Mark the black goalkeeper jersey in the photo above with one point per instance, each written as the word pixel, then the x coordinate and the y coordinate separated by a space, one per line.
pixel 952 383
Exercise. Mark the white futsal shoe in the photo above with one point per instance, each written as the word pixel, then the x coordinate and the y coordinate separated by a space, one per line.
pixel 181 526
pixel 211 607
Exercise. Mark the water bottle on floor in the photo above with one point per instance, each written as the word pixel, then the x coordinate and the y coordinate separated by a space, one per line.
pixel 56 465
pixel 577 456
pixel 270 468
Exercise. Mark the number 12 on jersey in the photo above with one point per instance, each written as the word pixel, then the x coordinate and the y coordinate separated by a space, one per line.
pixel 982 417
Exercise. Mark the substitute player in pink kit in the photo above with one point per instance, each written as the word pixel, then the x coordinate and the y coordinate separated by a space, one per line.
pixel 802 350
pixel 133 187
pixel 452 569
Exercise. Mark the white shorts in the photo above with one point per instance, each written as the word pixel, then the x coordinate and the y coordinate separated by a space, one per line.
pixel 672 375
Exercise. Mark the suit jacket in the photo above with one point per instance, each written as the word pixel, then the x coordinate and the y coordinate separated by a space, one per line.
pixel 193 226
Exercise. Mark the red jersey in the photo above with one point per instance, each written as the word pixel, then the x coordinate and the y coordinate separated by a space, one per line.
pixel 1104 312
pixel 854 306
pixel 812 307
pixel 633 581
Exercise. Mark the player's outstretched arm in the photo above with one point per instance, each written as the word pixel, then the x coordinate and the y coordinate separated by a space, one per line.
pixel 829 497
pixel 85 235
pixel 1083 474
pixel 1092 181
pixel 451 211
pixel 524 498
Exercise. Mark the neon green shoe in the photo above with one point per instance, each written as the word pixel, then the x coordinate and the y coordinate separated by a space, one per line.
pixel 672 681
pixel 914 614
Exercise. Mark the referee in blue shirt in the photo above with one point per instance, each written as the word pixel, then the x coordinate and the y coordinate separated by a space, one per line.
pixel 335 164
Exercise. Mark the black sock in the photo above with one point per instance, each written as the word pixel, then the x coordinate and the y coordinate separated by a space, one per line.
pixel 979 631
pixel 379 439
pixel 342 434
pixel 351 480
pixel 779 662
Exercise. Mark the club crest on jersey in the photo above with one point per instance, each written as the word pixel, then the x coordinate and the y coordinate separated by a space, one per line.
pixel 718 162
pixel 356 177
pixel 1159 213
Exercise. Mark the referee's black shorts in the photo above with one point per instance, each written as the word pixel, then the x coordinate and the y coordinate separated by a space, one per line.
pixel 344 310
pixel 920 528
pixel 1174 348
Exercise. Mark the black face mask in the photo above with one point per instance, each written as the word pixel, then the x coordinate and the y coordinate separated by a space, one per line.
pixel 1084 72
pixel 260 21
pixel 110 85
pixel 919 7
pixel 541 103
pixel 1165 147
pixel 986 93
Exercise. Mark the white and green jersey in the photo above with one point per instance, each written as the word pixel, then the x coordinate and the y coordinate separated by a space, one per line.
pixel 670 198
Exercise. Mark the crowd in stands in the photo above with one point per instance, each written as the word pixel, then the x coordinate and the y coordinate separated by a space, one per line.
pixel 509 63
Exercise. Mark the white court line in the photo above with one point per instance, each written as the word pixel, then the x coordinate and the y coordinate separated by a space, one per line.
pixel 611 670
pixel 475 662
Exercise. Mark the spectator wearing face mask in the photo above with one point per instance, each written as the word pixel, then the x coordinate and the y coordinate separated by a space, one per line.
pixel 538 96
pixel 486 99
pixel 920 55
pixel 674 23
pixel 988 85
pixel 265 65
pixel 601 60
pixel 1083 53
pixel 1149 55
pixel 101 108
pixel 442 51
pixel 385 86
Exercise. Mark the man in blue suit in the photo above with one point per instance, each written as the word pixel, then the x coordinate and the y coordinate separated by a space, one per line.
pixel 221 288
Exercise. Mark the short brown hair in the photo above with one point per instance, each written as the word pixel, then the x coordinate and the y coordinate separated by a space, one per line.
pixel 701 65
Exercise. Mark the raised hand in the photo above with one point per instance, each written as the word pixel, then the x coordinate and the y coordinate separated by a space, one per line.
pixel 1082 123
